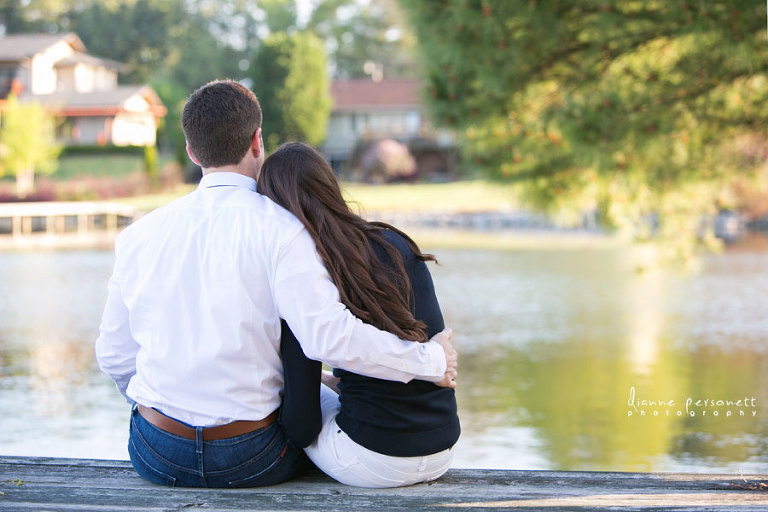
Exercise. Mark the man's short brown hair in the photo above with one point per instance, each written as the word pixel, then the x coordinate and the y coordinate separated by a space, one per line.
pixel 219 122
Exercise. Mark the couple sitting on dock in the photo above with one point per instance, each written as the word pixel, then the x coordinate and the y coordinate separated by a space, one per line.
pixel 222 304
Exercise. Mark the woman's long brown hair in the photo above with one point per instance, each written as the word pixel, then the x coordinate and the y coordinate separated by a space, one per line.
pixel 299 179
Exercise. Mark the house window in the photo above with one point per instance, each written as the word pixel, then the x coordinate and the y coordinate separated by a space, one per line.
pixel 412 121
pixel 64 130
pixel 360 123
pixel 6 79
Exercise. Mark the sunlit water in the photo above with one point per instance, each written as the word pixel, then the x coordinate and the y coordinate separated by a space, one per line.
pixel 552 342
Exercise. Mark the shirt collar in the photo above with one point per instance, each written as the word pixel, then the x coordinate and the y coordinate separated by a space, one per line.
pixel 227 179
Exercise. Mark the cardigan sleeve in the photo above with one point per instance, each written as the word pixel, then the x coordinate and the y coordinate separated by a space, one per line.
pixel 300 413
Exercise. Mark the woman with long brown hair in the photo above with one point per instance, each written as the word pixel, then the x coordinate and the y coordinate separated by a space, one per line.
pixel 373 433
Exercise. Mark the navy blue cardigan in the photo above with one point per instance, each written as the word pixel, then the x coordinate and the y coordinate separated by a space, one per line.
pixel 392 418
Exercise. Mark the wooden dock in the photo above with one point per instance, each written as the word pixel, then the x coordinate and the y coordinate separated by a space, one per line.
pixel 61 224
pixel 47 484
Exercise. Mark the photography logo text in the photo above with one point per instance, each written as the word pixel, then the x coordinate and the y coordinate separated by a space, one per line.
pixel 692 406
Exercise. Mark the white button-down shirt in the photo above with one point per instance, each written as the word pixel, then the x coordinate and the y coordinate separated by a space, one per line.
pixel 191 324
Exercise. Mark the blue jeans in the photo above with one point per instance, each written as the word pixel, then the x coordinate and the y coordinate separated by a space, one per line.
pixel 261 457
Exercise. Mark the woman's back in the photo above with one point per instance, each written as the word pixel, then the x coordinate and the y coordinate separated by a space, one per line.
pixel 392 418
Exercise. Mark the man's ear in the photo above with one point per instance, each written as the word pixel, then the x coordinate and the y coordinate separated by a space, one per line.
pixel 256 143
pixel 191 156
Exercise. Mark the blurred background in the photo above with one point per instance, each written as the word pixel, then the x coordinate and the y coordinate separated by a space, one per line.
pixel 592 177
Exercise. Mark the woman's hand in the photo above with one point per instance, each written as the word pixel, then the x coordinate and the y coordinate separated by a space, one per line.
pixel 451 358
pixel 330 380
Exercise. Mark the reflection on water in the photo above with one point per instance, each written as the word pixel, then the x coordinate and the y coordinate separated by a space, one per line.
pixel 53 401
pixel 551 343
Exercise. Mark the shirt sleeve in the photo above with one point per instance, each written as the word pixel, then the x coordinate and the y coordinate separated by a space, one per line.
pixel 308 300
pixel 115 347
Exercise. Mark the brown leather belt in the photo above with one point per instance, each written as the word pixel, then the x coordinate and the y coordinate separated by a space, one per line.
pixel 236 428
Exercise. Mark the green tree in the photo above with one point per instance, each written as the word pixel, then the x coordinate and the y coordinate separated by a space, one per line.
pixel 177 45
pixel 172 46
pixel 11 17
pixel 27 143
pixel 279 15
pixel 357 32
pixel 195 57
pixel 634 109
pixel 147 46
pixel 290 80
pixel 18 16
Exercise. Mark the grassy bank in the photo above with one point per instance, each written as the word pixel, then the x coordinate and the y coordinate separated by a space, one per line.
pixel 78 166
pixel 431 239
pixel 148 202
pixel 103 165
pixel 459 196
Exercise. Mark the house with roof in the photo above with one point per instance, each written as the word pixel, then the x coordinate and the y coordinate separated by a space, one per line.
pixel 365 111
pixel 81 90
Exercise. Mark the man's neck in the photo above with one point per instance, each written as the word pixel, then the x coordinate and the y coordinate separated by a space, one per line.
pixel 228 168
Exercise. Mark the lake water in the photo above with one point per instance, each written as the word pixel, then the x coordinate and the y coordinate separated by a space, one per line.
pixel 554 344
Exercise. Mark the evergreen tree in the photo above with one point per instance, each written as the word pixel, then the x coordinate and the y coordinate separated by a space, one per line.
pixel 154 27
pixel 357 32
pixel 289 77
pixel 635 109
pixel 171 46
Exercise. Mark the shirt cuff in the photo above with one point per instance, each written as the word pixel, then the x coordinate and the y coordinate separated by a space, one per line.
pixel 429 366
pixel 121 382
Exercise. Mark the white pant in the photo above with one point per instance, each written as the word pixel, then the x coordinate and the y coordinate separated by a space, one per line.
pixel 349 463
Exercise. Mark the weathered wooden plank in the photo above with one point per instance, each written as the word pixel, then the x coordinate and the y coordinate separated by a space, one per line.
pixel 79 484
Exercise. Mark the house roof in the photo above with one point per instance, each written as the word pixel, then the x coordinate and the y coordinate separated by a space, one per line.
pixel 109 102
pixel 84 58
pixel 17 47
pixel 365 94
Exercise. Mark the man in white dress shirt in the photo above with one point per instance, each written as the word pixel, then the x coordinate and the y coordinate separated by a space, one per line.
pixel 191 327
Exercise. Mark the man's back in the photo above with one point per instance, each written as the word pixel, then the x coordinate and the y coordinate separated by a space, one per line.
pixel 196 279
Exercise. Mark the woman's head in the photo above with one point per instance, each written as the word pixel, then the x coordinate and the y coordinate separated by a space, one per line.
pixel 299 179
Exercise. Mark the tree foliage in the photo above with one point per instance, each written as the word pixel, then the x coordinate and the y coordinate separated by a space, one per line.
pixel 171 44
pixel 178 45
pixel 156 27
pixel 18 16
pixel 289 76
pixel 634 108
pixel 357 32
pixel 27 143
pixel 279 15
